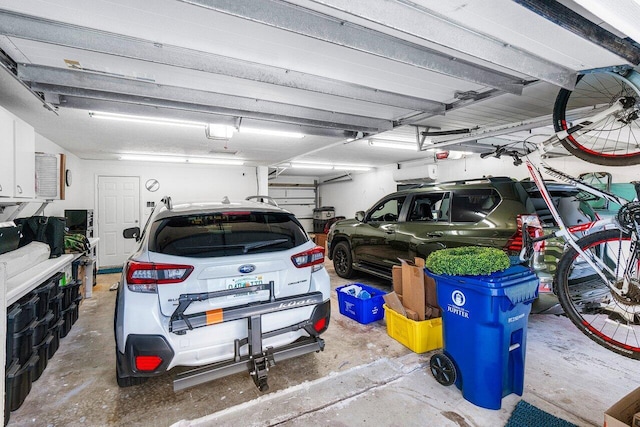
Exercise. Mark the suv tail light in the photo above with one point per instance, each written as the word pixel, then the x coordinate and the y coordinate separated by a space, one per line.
pixel 145 276
pixel 534 228
pixel 308 258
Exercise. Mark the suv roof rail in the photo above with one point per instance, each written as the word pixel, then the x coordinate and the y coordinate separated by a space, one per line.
pixel 167 202
pixel 264 199
pixel 472 181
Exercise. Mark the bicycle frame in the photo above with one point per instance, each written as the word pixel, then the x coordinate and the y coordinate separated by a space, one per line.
pixel 568 233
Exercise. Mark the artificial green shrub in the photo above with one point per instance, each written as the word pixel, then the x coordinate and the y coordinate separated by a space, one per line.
pixel 467 261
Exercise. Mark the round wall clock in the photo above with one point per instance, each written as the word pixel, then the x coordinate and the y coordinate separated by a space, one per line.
pixel 68 177
pixel 152 185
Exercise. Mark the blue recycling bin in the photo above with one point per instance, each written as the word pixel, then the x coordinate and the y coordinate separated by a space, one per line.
pixel 484 326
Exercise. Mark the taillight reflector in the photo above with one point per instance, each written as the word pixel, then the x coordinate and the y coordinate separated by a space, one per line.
pixel 308 258
pixel 148 363
pixel 320 325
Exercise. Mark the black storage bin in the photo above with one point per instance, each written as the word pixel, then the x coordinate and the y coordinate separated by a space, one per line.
pixel 22 313
pixel 41 328
pixel 76 311
pixel 55 331
pixel 44 293
pixel 55 305
pixel 70 293
pixel 9 236
pixel 20 344
pixel 19 381
pixel 42 350
pixel 67 315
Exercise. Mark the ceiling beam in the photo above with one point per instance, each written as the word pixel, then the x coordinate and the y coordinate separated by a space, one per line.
pixel 418 21
pixel 62 34
pixel 89 85
pixel 566 18
pixel 289 17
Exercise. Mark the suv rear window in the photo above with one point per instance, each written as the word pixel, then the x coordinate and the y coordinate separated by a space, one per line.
pixel 225 234
pixel 473 205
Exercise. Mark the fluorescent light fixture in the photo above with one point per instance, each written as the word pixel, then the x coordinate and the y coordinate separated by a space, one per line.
pixel 310 166
pixel 270 132
pixel 145 119
pixel 213 131
pixel 330 167
pixel 376 143
pixel 178 159
pixel 351 168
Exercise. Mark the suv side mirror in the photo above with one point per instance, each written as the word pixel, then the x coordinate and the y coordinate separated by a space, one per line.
pixel 360 216
pixel 131 233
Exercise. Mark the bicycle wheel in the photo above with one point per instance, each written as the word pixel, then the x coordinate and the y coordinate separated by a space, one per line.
pixel 616 140
pixel 609 319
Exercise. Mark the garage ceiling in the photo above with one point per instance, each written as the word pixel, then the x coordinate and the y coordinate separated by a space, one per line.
pixel 334 70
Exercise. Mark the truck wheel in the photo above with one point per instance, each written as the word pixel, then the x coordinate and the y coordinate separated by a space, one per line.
pixel 342 260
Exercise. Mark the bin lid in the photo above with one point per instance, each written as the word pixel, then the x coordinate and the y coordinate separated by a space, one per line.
pixel 518 283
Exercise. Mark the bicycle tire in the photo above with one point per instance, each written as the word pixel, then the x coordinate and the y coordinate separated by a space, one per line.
pixel 613 142
pixel 588 301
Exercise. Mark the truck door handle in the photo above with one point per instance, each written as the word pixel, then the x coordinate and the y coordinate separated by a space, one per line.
pixel 434 234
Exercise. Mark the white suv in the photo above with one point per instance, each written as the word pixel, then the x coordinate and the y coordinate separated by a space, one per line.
pixel 233 286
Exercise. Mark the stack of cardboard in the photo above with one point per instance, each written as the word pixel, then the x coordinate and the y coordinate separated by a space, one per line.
pixel 414 293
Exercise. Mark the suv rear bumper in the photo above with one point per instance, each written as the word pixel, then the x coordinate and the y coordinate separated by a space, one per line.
pixel 255 361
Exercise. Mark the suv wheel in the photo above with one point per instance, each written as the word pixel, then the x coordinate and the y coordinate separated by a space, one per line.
pixel 342 261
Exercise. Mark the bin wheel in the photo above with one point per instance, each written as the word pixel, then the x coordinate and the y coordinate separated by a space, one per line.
pixel 443 369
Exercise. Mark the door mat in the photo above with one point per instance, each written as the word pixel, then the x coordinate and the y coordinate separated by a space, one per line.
pixel 527 415
pixel 110 270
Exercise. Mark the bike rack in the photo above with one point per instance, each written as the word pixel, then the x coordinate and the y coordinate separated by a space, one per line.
pixel 257 361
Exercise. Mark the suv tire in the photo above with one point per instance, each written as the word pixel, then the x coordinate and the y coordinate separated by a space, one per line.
pixel 342 260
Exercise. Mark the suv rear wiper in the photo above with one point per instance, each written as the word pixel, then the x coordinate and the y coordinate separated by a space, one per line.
pixel 263 244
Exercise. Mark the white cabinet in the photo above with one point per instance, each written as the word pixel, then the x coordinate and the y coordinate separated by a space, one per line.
pixel 6 154
pixel 24 160
pixel 17 159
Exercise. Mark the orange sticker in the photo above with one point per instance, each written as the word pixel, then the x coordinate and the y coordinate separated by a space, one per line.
pixel 214 316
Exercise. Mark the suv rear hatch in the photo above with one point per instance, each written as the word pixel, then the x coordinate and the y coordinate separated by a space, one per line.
pixel 231 250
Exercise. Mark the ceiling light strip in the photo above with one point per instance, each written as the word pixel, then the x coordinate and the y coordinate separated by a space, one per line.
pixel 179 159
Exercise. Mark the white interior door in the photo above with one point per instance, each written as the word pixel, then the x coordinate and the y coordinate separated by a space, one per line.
pixel 118 208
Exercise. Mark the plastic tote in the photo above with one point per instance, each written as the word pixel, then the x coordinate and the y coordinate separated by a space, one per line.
pixel 484 321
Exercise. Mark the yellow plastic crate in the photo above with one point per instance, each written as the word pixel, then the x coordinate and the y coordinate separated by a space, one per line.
pixel 420 337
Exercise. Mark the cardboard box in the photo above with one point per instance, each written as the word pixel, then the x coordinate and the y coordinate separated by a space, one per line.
pixel 621 413
pixel 321 240
pixel 393 302
pixel 415 289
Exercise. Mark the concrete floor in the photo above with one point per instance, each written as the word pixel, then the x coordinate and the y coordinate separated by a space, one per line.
pixel 363 377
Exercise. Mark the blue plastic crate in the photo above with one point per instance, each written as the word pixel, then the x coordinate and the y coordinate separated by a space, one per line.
pixel 361 310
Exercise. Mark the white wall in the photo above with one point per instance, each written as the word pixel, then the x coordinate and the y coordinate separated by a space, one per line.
pixel 360 193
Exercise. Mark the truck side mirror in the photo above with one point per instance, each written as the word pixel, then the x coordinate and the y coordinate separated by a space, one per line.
pixel 360 216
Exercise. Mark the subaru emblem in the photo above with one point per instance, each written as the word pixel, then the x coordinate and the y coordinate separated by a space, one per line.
pixel 247 268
